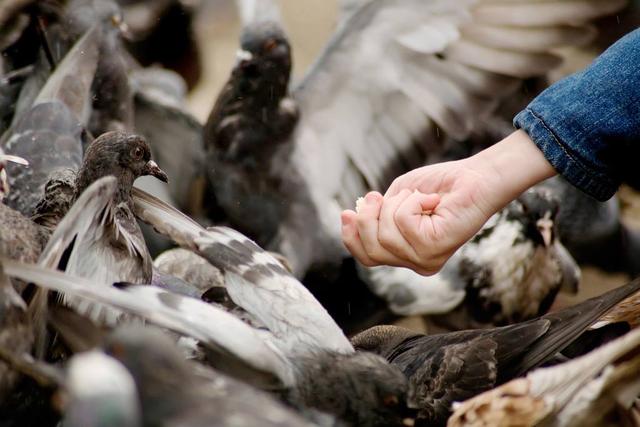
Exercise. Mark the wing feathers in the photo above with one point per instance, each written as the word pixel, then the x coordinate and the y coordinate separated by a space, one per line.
pixel 535 13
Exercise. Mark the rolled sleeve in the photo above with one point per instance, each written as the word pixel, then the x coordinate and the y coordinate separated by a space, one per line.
pixel 588 124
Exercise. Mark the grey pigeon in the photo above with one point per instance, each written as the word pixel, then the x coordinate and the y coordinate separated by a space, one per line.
pixel 92 390
pixel 50 134
pixel 206 397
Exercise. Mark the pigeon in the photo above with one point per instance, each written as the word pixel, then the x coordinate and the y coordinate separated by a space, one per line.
pixel 20 239
pixel 112 248
pixel 92 390
pixel 593 390
pixel 301 352
pixel 112 107
pixel 186 273
pixel 455 366
pixel 404 73
pixel 206 397
pixel 510 271
pixel 359 388
pixel 50 134
pixel 100 391
pixel 58 197
pixel 189 267
pixel 162 33
pixel 112 99
pixel 250 120
pixel 15 330
pixel 593 231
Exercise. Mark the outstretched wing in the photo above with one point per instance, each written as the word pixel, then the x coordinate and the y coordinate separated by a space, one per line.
pixel 236 346
pixel 399 74
pixel 256 281
pixel 87 213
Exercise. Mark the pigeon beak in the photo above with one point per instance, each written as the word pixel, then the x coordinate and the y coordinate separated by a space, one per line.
pixel 152 168
pixel 243 56
pixel 545 228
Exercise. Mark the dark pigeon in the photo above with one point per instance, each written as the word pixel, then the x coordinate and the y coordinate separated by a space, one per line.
pixel 50 134
pixel 446 368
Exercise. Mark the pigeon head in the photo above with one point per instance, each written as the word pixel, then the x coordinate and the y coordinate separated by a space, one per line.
pixel 264 61
pixel 537 209
pixel 360 388
pixel 100 391
pixel 381 339
pixel 119 154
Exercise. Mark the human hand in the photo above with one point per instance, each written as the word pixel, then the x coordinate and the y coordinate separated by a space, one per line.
pixel 428 213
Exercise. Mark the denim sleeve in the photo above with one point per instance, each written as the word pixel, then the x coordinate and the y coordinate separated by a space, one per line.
pixel 588 124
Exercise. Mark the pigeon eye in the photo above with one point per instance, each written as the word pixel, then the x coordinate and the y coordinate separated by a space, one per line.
pixel 138 152
pixel 269 45
pixel 390 400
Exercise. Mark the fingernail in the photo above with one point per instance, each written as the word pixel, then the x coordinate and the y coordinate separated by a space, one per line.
pixel 371 198
pixel 344 218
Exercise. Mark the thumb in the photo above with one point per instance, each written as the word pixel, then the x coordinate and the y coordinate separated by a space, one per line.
pixel 426 202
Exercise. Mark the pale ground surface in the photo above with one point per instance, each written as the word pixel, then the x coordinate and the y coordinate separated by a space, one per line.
pixel 309 24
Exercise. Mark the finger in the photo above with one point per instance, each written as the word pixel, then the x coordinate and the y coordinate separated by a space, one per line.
pixel 389 234
pixel 367 223
pixel 351 239
pixel 415 222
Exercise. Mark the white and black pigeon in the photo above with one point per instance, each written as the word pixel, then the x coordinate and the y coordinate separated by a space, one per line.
pixel 597 389
pixel 510 271
pixel 396 77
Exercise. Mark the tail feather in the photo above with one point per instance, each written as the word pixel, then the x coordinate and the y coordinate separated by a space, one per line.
pixel 566 326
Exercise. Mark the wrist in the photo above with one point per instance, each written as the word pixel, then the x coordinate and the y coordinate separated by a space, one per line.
pixel 513 165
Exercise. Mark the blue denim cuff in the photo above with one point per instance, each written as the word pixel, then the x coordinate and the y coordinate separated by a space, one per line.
pixel 563 159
